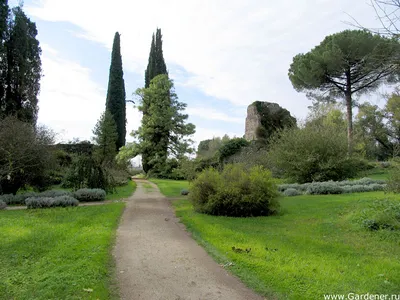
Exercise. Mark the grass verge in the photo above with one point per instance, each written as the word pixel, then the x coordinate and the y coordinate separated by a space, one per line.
pixel 171 188
pixel 62 253
pixel 315 247
pixel 123 192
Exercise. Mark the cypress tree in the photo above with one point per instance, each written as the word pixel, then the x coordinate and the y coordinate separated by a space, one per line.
pixel 156 66
pixel 149 73
pixel 115 103
pixel 160 66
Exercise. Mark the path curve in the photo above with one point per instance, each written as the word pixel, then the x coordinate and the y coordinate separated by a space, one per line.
pixel 157 260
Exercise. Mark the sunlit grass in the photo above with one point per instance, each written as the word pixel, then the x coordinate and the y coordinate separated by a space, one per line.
pixel 62 253
pixel 171 188
pixel 314 247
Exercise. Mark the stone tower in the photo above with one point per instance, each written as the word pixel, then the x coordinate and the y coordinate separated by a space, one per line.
pixel 268 117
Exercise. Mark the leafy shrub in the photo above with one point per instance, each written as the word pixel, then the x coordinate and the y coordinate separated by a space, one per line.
pixel 25 156
pixel 3 205
pixel 235 192
pixel 393 183
pixel 291 192
pixel 184 192
pixel 90 195
pixel 315 153
pixel 324 188
pixel 47 202
pixel 382 214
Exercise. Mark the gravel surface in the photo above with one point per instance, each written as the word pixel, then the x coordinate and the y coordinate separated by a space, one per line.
pixel 157 259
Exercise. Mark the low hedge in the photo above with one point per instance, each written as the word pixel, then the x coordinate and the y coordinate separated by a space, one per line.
pixel 90 195
pixel 47 202
pixel 333 187
pixel 3 205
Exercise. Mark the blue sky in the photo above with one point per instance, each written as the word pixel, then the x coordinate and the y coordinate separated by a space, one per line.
pixel 222 55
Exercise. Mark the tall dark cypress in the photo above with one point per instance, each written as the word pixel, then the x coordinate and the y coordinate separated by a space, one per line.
pixel 23 68
pixel 4 14
pixel 160 66
pixel 149 73
pixel 156 66
pixel 115 102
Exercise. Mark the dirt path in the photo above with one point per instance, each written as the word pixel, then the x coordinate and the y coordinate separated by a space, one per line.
pixel 156 259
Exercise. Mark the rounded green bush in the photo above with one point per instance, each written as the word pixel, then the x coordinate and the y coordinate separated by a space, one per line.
pixel 291 192
pixel 3 205
pixel 235 192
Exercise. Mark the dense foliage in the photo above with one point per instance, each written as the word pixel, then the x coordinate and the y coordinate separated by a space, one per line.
pixel 235 192
pixel 312 153
pixel 20 65
pixel 115 103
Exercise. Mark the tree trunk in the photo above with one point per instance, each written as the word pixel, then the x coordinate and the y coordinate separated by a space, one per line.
pixel 349 107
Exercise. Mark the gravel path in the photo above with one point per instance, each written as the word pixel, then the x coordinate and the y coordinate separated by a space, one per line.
pixel 156 259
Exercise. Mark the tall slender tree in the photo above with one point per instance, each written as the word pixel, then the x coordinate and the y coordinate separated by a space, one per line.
pixel 4 13
pixel 156 66
pixel 22 68
pixel 149 72
pixel 115 103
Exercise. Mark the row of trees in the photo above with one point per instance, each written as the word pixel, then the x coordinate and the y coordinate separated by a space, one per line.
pixel 24 158
pixel 164 134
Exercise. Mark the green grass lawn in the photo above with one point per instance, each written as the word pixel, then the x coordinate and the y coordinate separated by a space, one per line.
pixel 58 253
pixel 171 188
pixel 123 192
pixel 314 247
pixel 377 173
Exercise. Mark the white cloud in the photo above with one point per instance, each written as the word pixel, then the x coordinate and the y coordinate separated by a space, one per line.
pixel 238 50
pixel 70 101
pixel 212 114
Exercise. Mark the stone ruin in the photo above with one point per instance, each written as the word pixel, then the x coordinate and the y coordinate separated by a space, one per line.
pixel 264 118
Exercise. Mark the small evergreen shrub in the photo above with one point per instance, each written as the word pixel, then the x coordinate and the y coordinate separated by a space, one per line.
pixel 382 214
pixel 54 193
pixel 90 195
pixel 378 187
pixel 235 192
pixel 47 202
pixel 19 199
pixel 291 192
pixel 324 188
pixel 336 187
pixel 184 192
pixel 3 205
